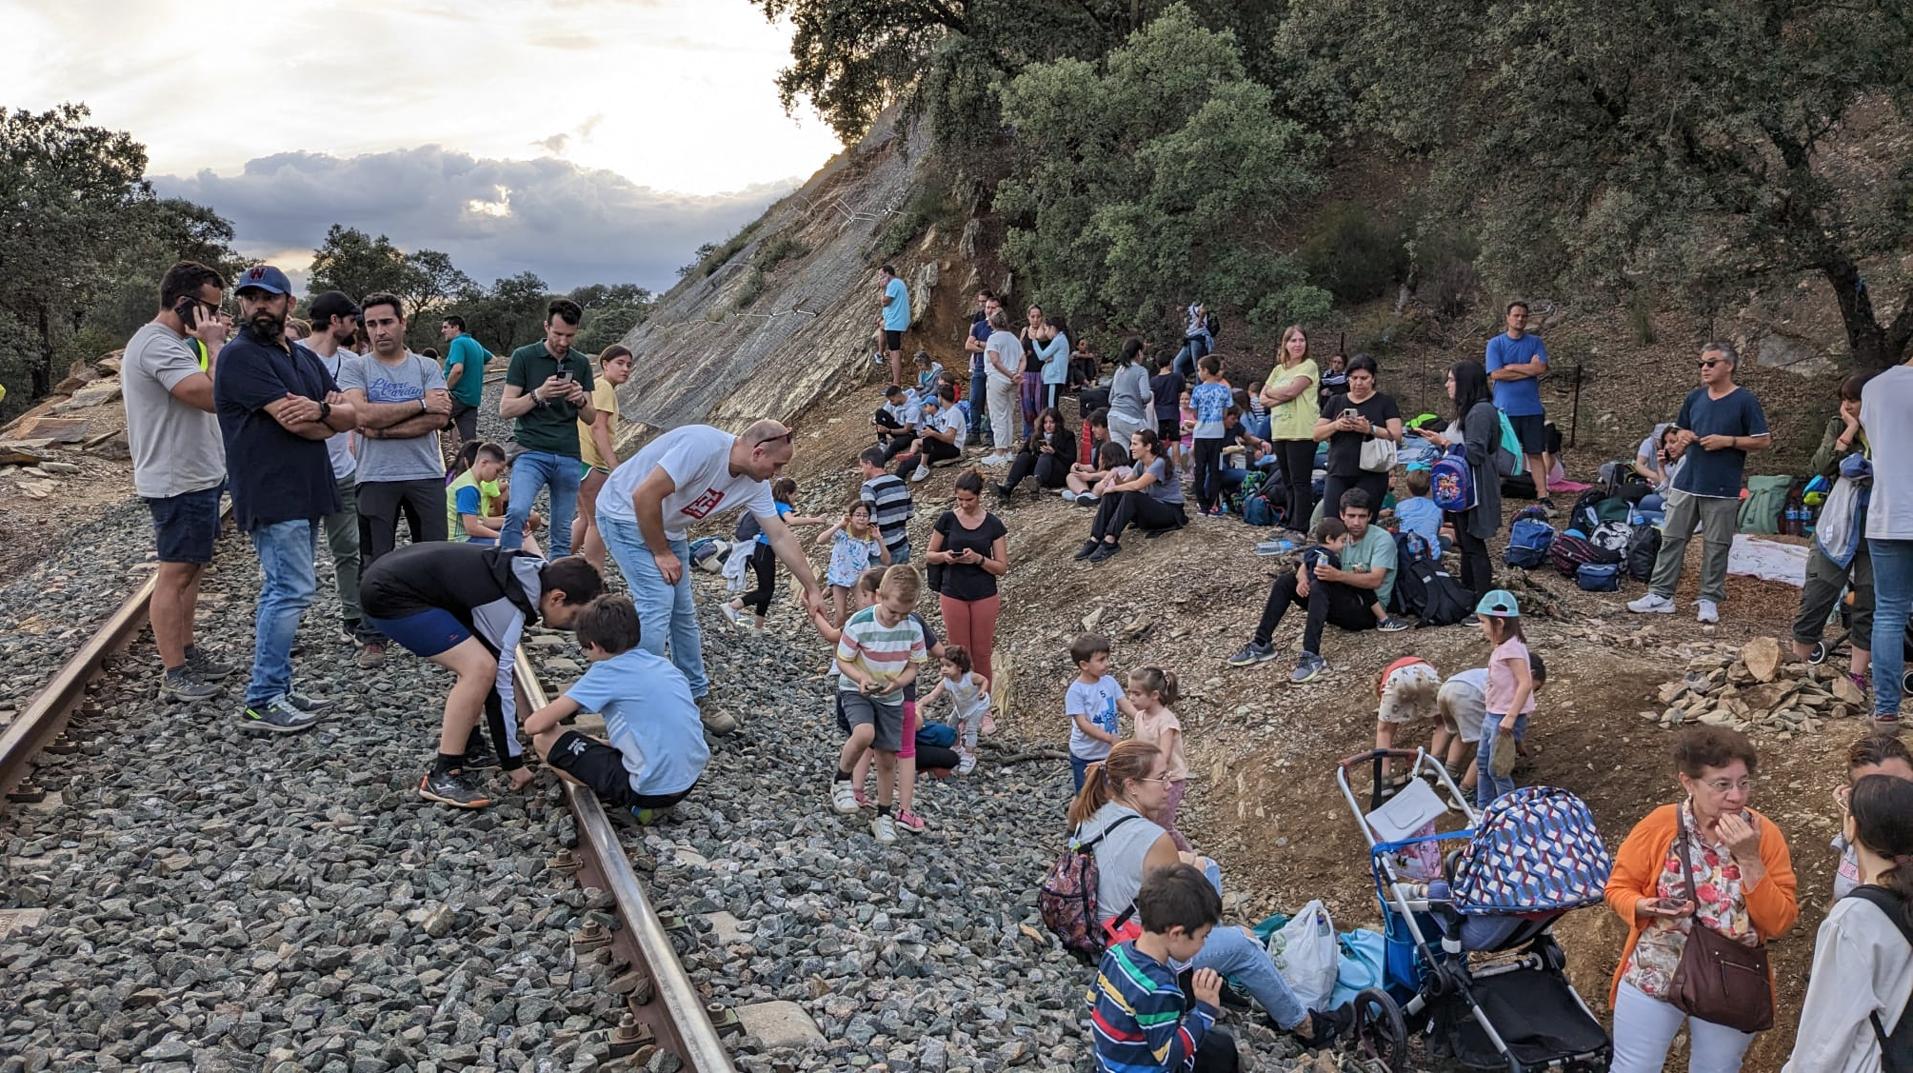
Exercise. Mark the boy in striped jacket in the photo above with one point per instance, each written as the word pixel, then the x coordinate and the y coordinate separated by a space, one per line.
pixel 1139 1014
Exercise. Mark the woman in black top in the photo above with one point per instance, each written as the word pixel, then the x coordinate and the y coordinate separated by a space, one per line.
pixel 1030 389
pixel 969 547
pixel 1477 428
pixel 1046 455
pixel 1349 421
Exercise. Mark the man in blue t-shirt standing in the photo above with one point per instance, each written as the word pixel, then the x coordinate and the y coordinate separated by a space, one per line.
pixel 895 319
pixel 1516 362
pixel 1719 423
pixel 277 406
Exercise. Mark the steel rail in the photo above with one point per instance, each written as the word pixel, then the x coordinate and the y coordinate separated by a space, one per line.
pixel 661 997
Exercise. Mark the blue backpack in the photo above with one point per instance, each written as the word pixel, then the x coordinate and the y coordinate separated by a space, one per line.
pixel 1451 481
pixel 1257 510
pixel 1535 849
pixel 1598 577
pixel 1528 539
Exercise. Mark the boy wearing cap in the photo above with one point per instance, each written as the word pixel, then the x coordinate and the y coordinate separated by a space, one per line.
pixel 277 406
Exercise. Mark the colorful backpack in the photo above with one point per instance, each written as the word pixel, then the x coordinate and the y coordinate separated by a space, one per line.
pixel 1451 481
pixel 1509 461
pixel 1529 538
pixel 1571 549
pixel 1067 900
pixel 1534 849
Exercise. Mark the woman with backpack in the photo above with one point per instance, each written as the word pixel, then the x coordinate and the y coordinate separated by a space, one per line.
pixel 1862 972
pixel 1110 815
pixel 1477 430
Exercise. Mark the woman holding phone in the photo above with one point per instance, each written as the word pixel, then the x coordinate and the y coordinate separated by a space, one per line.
pixel 969 551
pixel 1708 862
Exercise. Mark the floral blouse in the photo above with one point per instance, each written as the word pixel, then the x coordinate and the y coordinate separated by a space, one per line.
pixel 1721 906
pixel 849 558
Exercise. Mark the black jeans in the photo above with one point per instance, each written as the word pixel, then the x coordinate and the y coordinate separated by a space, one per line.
pixel 1208 471
pixel 764 566
pixel 928 451
pixel 1375 484
pixel 382 503
pixel 1119 510
pixel 465 420
pixel 1477 570
pixel 897 444
pixel 1049 471
pixel 1328 601
pixel 1298 476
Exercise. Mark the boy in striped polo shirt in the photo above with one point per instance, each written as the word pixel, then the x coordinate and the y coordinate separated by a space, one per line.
pixel 1139 1015
pixel 880 651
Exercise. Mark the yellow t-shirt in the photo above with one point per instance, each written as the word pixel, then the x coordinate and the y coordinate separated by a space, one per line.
pixel 1295 419
pixel 604 399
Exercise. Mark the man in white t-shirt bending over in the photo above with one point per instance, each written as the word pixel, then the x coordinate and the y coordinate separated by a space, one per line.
pixel 688 475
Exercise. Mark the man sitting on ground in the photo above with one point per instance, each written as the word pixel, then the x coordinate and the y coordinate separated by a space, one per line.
pixel 1342 595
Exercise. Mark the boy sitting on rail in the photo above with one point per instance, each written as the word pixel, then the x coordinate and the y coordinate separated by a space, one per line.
pixel 465 608
pixel 657 751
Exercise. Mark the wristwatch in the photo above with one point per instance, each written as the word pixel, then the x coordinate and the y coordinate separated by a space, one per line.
pixel 325 411
pixel 421 404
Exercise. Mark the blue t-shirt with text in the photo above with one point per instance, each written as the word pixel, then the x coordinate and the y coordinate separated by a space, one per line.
pixel 1516 398
pixel 1095 701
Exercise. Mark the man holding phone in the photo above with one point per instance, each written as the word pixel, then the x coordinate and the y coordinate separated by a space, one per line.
pixel 548 391
pixel 179 462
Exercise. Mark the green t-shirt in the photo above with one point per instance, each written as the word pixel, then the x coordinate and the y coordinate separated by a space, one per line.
pixel 1375 549
pixel 465 351
pixel 553 426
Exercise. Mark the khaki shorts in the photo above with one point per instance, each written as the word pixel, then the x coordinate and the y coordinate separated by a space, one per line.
pixel 1409 694
pixel 1462 708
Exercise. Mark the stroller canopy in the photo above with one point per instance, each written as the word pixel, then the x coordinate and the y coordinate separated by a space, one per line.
pixel 1535 849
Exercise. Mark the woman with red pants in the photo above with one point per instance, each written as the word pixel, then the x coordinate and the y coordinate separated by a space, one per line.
pixel 969 550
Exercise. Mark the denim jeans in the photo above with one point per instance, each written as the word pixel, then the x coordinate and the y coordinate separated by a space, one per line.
pixel 1892 593
pixel 973 400
pixel 530 472
pixel 665 612
pixel 1487 786
pixel 286 553
pixel 1194 349
pixel 1239 956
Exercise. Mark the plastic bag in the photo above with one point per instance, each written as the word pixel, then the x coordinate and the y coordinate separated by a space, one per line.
pixel 1307 955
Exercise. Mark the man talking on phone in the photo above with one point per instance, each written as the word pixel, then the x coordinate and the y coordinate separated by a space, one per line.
pixel 548 390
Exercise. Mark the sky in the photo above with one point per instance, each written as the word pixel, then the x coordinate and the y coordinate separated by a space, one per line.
pixel 584 140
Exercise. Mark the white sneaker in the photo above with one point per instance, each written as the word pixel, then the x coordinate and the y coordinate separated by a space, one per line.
pixel 843 798
pixel 1652 604
pixel 1068 496
pixel 883 828
pixel 967 764
pixel 920 474
pixel 738 616
pixel 1709 612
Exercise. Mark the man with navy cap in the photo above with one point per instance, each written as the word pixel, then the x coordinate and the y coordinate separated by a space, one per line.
pixel 277 406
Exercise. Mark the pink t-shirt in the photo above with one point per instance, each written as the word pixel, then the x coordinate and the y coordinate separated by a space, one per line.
pixel 1501 681
pixel 1151 728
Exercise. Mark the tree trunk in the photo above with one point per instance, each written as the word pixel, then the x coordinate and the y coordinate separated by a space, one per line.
pixel 1865 337
pixel 43 368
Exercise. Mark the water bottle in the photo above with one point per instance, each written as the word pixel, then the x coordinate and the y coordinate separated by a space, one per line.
pixel 1807 516
pixel 1792 525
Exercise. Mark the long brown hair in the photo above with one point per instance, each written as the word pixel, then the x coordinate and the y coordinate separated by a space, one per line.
pixel 1127 762
pixel 1282 348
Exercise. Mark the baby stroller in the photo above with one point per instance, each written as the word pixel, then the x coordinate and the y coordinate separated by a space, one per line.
pixel 1471 960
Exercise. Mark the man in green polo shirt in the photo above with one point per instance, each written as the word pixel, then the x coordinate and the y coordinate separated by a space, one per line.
pixel 548 390
pixel 464 371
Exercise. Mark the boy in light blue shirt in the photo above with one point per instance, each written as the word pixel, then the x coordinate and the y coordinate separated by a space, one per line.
pixel 1418 514
pixel 657 750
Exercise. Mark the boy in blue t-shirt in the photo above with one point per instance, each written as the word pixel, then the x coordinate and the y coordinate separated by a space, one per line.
pixel 1092 702
pixel 657 748
pixel 1210 400
pixel 1418 514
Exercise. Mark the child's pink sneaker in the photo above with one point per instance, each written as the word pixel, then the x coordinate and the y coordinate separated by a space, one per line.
pixel 863 800
pixel 910 821
pixel 988 726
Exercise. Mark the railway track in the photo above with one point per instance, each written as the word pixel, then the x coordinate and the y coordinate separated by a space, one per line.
pixel 664 1013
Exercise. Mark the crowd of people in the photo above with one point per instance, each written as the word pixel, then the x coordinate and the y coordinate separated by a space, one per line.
pixel 333 425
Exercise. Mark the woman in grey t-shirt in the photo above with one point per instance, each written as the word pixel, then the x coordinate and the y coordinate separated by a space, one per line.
pixel 1131 406
pixel 1151 500
pixel 1118 795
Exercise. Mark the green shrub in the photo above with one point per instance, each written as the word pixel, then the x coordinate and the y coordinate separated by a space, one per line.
pixel 1354 252
pixel 749 291
pixel 777 251
pixel 724 251
pixel 930 205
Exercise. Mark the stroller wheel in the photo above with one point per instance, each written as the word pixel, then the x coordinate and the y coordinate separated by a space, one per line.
pixel 1819 653
pixel 1380 1036
pixel 1906 682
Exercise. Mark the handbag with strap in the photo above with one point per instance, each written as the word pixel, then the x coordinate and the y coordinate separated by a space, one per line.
pixel 1378 455
pixel 1718 979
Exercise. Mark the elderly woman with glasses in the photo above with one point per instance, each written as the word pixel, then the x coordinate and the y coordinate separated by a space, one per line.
pixel 1707 862
pixel 1110 816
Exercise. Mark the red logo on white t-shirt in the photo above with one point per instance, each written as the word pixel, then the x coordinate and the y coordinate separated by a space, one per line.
pixel 704 504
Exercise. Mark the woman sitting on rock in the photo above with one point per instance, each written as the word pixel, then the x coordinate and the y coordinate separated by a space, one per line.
pixel 1151 500
pixel 1046 455
pixel 1119 795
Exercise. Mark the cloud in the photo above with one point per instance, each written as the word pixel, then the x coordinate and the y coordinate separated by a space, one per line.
pixel 496 218
pixel 555 144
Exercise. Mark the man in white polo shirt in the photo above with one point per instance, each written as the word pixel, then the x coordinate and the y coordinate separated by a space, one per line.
pixel 688 475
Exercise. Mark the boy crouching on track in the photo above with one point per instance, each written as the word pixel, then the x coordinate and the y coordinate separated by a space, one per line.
pixel 879 652
pixel 465 608
pixel 657 750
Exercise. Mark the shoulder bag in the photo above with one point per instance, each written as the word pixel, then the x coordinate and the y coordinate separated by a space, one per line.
pixel 1378 456
pixel 1718 979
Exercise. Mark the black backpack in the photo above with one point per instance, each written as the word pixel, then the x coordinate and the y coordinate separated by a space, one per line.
pixel 1896 1049
pixel 1643 548
pixel 1425 590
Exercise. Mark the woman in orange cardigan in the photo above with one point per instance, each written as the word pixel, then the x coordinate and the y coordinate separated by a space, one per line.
pixel 1742 875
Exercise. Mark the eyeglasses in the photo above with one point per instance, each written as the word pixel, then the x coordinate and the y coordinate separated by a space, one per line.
pixel 1710 364
pixel 1164 779
pixel 1722 786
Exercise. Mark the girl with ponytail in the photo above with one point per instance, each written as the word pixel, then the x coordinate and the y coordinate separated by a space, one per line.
pixel 1862 971
pixel 1119 795
pixel 1152 690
